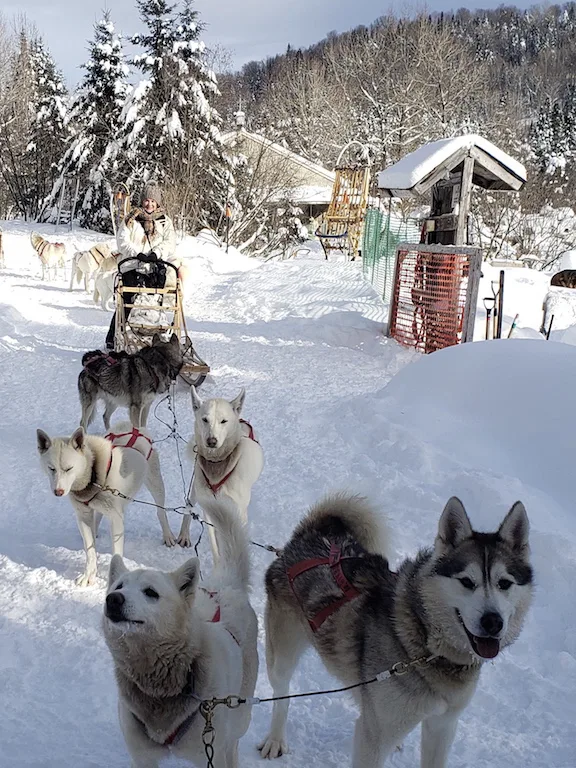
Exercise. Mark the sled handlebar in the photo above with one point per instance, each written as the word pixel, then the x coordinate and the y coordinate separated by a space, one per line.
pixel 158 261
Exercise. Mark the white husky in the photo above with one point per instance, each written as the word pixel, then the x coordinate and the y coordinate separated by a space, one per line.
pixel 78 465
pixel 104 283
pixel 85 264
pixel 228 458
pixel 175 643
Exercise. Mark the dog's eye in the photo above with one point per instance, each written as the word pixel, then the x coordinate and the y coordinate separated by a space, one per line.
pixel 505 584
pixel 68 470
pixel 224 421
pixel 52 469
pixel 467 583
pixel 204 419
pixel 149 592
pixel 119 586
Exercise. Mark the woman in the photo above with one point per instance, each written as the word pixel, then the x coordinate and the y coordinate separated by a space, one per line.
pixel 145 235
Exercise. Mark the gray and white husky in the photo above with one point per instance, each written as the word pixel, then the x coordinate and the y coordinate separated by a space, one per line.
pixel 450 608
pixel 228 459
pixel 175 642
pixel 77 465
pixel 130 380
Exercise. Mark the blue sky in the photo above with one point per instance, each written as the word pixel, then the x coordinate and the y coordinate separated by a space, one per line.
pixel 250 29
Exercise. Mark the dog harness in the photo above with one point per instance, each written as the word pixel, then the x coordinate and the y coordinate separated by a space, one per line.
pixel 111 436
pixel 42 247
pixel 334 560
pixel 132 439
pixel 179 732
pixel 101 356
pixel 215 487
pixel 218 614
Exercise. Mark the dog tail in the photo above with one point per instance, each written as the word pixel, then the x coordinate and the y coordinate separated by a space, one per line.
pixel 366 525
pixel 234 560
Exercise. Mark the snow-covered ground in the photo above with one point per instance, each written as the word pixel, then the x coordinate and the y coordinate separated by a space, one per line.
pixel 335 405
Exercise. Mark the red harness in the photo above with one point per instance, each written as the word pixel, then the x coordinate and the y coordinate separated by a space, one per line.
pixel 216 486
pixel 218 614
pixel 334 560
pixel 101 356
pixel 134 435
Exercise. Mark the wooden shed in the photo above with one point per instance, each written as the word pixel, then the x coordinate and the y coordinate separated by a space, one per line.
pixel 449 168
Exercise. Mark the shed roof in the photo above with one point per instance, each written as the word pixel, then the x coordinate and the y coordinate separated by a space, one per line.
pixel 418 171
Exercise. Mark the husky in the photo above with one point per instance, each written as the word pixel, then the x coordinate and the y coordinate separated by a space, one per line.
pixel 228 460
pixel 78 466
pixel 51 255
pixel 175 642
pixel 104 283
pixel 444 613
pixel 85 264
pixel 132 381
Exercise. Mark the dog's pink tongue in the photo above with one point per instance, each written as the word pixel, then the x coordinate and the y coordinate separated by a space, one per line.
pixel 487 647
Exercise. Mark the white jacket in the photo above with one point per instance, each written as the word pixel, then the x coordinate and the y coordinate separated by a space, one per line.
pixel 132 240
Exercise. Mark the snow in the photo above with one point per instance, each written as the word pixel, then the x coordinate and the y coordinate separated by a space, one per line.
pixel 334 404
pixel 417 165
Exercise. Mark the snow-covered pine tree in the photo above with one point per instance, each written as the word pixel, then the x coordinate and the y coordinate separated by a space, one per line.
pixel 95 119
pixel 171 130
pixel 48 131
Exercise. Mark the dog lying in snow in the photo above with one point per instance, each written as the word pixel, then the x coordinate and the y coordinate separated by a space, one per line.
pixel 174 643
pixel 228 459
pixel 76 466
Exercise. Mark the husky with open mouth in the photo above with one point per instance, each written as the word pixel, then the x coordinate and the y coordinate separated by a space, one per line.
pixel 443 613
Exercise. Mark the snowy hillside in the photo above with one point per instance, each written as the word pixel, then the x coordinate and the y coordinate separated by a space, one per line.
pixel 335 404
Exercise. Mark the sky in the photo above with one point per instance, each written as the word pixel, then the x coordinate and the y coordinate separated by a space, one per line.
pixel 249 29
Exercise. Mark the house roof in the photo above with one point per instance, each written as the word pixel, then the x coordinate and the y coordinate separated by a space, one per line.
pixel 272 146
pixel 418 171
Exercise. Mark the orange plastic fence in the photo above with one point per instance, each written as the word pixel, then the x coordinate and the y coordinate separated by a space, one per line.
pixel 430 296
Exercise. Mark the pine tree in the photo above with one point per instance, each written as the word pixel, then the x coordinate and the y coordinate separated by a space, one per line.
pixel 171 130
pixel 48 131
pixel 95 117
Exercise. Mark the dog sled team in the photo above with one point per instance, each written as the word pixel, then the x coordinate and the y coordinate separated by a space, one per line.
pixel 410 643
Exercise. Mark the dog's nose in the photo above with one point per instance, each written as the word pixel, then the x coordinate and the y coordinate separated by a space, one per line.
pixel 211 442
pixel 492 623
pixel 114 604
pixel 59 492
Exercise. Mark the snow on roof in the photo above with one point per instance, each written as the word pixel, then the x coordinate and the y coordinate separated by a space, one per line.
pixel 230 136
pixel 416 166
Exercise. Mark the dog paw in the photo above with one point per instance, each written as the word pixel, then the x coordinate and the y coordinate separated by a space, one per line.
pixel 272 748
pixel 85 580
pixel 184 541
pixel 169 540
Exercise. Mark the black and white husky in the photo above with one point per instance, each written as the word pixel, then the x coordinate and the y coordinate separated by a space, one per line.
pixel 449 609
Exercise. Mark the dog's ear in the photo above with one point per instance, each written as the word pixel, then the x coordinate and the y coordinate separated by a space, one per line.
pixel 43 440
pixel 238 401
pixel 454 526
pixel 196 401
pixel 117 568
pixel 186 577
pixel 174 340
pixel 77 439
pixel 156 339
pixel 515 528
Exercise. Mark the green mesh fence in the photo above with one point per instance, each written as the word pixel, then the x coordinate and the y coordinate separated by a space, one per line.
pixel 382 233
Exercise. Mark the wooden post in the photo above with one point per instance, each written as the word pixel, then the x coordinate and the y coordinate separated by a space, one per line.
pixel 61 201
pixel 73 208
pixel 464 203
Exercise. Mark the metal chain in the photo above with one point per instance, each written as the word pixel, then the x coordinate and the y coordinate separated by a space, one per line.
pixel 208 706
